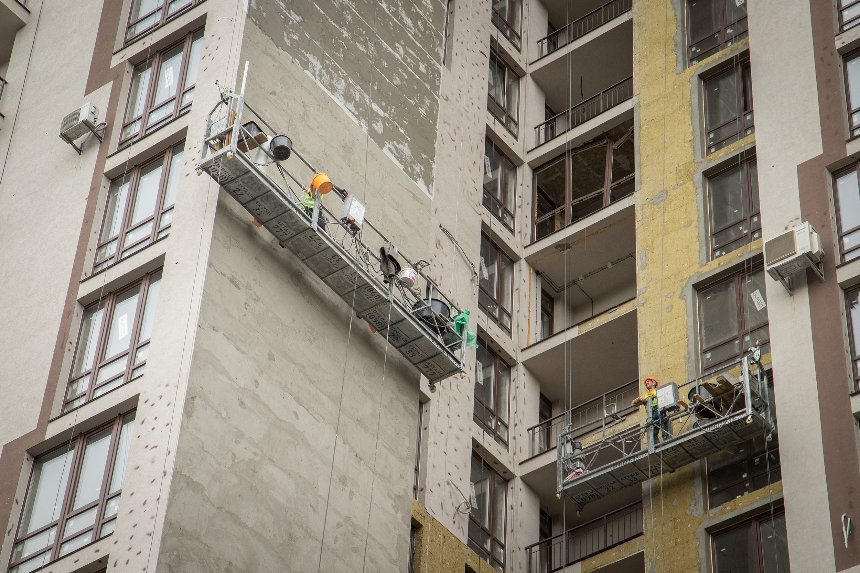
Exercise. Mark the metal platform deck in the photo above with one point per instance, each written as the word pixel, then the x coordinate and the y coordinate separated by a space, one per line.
pixel 632 455
pixel 337 255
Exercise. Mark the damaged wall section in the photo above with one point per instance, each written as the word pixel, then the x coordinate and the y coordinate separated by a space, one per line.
pixel 380 60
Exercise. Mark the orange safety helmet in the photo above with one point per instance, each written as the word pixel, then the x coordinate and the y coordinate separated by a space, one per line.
pixel 649 379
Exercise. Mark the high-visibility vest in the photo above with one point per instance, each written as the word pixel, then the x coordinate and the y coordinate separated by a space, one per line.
pixel 308 200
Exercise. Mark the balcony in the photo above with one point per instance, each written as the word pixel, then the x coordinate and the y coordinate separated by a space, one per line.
pixel 587 539
pixel 584 180
pixel 584 81
pixel 597 413
pixel 13 17
pixel 582 25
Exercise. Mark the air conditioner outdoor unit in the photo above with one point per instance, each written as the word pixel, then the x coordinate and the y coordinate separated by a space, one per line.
pixel 79 123
pixel 792 253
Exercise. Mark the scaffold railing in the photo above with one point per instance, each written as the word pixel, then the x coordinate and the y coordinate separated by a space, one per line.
pixel 693 420
pixel 353 258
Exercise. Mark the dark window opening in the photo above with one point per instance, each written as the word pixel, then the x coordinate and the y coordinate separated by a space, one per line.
pixel 500 180
pixel 147 15
pixel 733 207
pixel 507 17
pixel 732 318
pixel 713 25
pixel 847 190
pixel 487 517
pixel 728 106
pixel 495 296
pixel 492 392
pixel 756 546
pixel 503 97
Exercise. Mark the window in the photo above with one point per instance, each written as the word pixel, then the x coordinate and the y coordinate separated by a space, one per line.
pixel 495 296
pixel 728 106
pixel 504 94
pixel 543 431
pixel 852 86
pixel 741 469
pixel 147 15
pixel 849 14
pixel 73 496
pixel 547 310
pixel 732 317
pixel 139 208
pixel 852 307
pixel 584 181
pixel 507 17
pixel 847 188
pixel 713 25
pixel 733 207
pixel 500 179
pixel 113 342
pixel 162 88
pixel 492 386
pixel 757 546
pixel 487 518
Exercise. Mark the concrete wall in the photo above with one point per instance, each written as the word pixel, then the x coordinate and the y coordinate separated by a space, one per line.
pixel 298 443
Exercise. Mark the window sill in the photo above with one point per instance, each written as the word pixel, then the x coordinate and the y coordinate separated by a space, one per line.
pixel 87 416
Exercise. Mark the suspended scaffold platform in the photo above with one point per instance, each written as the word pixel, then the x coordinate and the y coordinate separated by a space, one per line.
pixel 693 421
pixel 244 154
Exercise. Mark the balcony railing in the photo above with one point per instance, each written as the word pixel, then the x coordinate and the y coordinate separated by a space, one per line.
pixel 582 112
pixel 585 540
pixel 582 26
pixel 596 413
pixel 849 14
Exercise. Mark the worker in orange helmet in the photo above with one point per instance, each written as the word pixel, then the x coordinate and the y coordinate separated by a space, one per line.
pixel 656 419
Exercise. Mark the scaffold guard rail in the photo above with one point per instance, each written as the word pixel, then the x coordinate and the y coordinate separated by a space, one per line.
pixel 714 412
pixel 416 319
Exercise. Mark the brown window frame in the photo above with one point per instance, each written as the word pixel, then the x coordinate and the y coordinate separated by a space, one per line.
pixel 566 215
pixel 732 130
pixel 851 21
pixel 509 118
pixel 853 339
pixel 508 25
pixel 77 447
pixel 547 314
pixel 751 222
pixel 161 15
pixel 743 330
pixel 161 212
pixel 495 191
pixel 755 522
pixel 497 425
pixel 491 303
pixel 726 36
pixel 137 348
pixel 492 477
pixel 148 107
pixel 850 253
pixel 853 107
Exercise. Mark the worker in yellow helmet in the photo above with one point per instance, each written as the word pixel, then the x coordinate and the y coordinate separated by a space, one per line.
pixel 308 203
pixel 656 419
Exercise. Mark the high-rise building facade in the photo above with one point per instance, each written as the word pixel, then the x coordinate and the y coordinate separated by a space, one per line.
pixel 217 360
